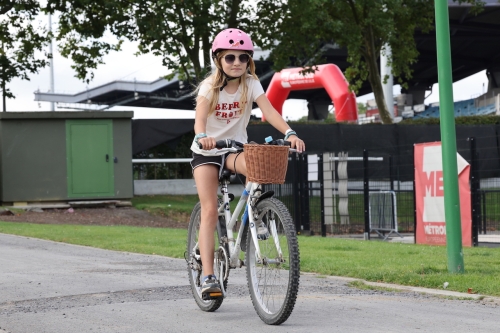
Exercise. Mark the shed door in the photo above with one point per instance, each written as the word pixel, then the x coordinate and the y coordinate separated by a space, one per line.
pixel 89 151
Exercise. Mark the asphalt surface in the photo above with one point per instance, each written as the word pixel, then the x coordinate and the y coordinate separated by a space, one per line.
pixel 54 287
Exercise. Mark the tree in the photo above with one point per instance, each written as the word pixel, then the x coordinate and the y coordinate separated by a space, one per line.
pixel 361 108
pixel 363 27
pixel 20 41
pixel 302 27
pixel 176 30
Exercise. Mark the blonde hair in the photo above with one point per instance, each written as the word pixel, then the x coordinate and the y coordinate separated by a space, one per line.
pixel 217 78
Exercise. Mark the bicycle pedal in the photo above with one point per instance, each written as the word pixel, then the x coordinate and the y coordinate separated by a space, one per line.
pixel 211 295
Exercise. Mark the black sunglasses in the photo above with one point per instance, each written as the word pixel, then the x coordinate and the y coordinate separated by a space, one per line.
pixel 230 58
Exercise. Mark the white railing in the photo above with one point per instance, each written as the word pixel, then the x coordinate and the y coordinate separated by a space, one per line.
pixel 161 160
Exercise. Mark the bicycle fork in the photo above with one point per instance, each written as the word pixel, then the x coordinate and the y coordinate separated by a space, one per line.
pixel 249 201
pixel 251 204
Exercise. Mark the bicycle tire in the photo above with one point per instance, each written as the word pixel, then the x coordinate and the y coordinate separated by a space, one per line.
pixel 195 274
pixel 274 287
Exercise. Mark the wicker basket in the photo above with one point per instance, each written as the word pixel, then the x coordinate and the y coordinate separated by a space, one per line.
pixel 266 164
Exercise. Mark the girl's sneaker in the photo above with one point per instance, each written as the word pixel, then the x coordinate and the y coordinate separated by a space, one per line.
pixel 210 287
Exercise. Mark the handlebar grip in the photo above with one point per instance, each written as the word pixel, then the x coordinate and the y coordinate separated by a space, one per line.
pixel 220 144
pixel 227 143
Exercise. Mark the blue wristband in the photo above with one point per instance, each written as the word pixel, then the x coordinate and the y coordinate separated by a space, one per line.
pixel 289 134
pixel 199 136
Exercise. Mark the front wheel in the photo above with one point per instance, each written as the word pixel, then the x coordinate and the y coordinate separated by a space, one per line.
pixel 195 265
pixel 274 282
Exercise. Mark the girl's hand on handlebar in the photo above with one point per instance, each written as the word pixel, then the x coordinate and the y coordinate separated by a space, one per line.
pixel 206 143
pixel 297 143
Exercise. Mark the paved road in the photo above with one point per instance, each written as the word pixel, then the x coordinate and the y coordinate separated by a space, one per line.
pixel 59 288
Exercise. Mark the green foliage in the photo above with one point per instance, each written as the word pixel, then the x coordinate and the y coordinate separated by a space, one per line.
pixel 362 27
pixel 466 120
pixel 304 120
pixel 361 108
pixel 176 30
pixel 21 41
pixel 299 32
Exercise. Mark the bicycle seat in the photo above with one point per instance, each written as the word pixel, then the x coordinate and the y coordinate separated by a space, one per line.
pixel 225 175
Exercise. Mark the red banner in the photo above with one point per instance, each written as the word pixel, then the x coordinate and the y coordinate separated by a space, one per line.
pixel 429 193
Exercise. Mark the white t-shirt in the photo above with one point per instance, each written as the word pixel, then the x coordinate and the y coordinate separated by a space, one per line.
pixel 229 121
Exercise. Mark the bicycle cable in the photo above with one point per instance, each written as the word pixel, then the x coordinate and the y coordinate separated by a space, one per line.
pixel 234 166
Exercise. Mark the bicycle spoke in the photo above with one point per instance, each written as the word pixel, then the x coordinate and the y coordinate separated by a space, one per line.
pixel 274 282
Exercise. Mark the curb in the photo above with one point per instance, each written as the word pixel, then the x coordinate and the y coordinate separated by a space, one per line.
pixel 436 292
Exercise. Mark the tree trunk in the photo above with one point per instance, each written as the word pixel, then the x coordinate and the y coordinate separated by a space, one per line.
pixel 374 78
pixel 376 84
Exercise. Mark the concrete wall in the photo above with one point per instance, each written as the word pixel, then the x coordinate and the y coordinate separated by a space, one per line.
pixel 173 187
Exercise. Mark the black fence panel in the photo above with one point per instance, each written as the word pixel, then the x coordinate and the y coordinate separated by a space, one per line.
pixel 304 194
pixel 485 182
pixel 395 140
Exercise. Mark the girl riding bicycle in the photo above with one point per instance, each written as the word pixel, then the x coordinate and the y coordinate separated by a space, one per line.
pixel 223 108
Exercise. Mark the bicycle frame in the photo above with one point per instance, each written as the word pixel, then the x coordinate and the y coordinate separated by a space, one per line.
pixel 232 218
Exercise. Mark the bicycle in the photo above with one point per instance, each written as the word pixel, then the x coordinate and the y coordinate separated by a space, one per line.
pixel 272 264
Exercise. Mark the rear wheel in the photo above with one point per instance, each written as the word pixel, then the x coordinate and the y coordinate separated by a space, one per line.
pixel 195 265
pixel 274 282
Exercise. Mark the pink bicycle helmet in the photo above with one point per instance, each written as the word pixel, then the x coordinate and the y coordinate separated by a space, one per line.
pixel 232 39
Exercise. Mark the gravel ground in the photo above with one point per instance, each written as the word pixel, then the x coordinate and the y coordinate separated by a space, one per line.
pixel 93 216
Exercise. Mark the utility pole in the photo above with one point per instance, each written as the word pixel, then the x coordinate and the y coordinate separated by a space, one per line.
pixel 2 77
pixel 52 107
pixel 448 141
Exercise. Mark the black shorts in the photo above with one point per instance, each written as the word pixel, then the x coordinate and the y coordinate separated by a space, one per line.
pixel 218 160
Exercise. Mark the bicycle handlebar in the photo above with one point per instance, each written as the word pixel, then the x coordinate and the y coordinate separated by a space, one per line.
pixel 232 145
pixel 226 143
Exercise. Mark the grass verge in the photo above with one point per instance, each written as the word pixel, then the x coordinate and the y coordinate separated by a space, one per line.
pixel 166 242
pixel 404 264
pixel 174 206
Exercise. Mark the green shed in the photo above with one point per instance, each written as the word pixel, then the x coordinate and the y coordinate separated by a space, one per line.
pixel 65 156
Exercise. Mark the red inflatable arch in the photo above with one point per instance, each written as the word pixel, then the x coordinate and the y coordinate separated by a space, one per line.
pixel 327 76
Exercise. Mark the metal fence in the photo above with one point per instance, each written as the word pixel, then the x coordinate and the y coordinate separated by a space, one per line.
pixel 329 193
pixel 161 168
pixel 485 192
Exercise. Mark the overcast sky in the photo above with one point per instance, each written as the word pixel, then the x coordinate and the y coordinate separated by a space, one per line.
pixel 125 66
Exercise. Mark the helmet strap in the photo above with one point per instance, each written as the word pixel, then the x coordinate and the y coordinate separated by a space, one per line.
pixel 227 78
